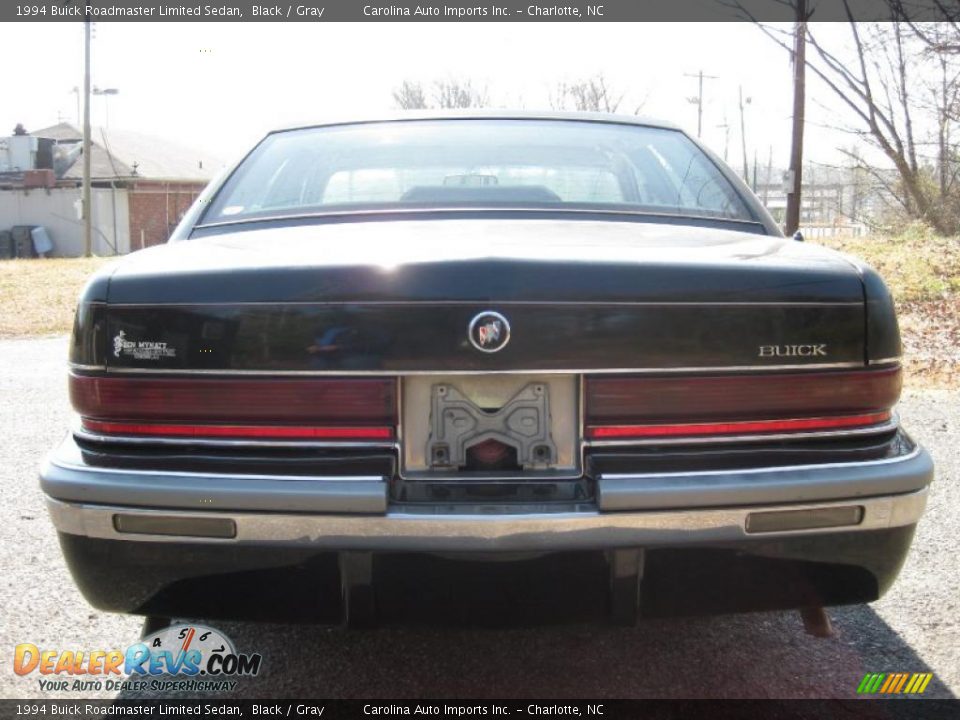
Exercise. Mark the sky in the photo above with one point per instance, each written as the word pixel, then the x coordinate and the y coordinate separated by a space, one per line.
pixel 221 86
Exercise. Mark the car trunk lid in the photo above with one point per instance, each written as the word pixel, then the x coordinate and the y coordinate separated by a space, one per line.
pixel 399 297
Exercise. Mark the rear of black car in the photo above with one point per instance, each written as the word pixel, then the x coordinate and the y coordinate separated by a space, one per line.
pixel 690 399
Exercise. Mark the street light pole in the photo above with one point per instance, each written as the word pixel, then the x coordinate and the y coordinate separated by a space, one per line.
pixel 725 126
pixel 76 91
pixel 700 106
pixel 87 219
pixel 106 93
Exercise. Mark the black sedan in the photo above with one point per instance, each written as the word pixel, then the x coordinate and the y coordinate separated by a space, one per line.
pixel 485 336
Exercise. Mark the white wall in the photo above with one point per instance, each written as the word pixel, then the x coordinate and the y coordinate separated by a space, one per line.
pixel 55 210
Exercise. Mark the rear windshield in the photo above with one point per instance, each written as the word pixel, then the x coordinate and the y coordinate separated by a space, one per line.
pixel 490 164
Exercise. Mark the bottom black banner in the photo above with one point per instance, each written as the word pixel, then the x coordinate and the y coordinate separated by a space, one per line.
pixel 600 709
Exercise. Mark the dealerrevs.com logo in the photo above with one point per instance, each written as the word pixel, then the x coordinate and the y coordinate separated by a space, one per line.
pixel 178 658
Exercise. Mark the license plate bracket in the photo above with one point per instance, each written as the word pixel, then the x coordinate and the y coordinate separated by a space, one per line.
pixel 487 401
pixel 458 424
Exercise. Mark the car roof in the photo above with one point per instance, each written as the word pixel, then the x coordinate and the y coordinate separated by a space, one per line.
pixel 484 114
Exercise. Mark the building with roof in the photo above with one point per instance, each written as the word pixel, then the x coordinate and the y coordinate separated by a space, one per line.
pixel 141 186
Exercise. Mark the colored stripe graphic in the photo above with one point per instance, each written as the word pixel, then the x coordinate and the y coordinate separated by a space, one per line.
pixel 915 680
pixel 871 682
pixel 888 683
pixel 894 683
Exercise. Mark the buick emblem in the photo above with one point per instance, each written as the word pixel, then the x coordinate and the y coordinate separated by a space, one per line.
pixel 489 332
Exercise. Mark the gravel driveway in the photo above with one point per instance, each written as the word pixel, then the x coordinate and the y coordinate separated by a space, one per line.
pixel 914 628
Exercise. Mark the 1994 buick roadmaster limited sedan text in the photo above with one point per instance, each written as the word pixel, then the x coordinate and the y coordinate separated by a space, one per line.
pixel 476 338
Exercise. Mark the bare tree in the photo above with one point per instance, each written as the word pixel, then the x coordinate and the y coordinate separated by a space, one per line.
pixel 410 96
pixel 886 87
pixel 459 94
pixel 940 37
pixel 447 94
pixel 943 87
pixel 591 94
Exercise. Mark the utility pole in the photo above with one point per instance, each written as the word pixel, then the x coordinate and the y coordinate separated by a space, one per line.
pixel 743 136
pixel 795 175
pixel 698 99
pixel 87 219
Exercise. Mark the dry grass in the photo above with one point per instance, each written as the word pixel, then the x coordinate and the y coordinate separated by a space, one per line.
pixel 38 297
pixel 918 266
pixel 922 270
pixel 923 273
pixel 931 341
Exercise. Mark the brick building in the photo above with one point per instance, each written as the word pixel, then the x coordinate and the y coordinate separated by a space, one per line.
pixel 155 208
pixel 141 187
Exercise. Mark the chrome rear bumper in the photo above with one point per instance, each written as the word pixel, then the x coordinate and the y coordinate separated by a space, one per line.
pixel 154 541
pixel 354 513
pixel 66 476
pixel 400 531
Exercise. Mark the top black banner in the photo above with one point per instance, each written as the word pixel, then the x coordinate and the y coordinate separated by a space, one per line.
pixel 460 709
pixel 479 10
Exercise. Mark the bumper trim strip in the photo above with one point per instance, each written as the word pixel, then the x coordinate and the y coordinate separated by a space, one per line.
pixel 399 531
pixel 798 483
pixel 72 480
pixel 66 476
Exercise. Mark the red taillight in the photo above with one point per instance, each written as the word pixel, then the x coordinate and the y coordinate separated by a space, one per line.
pixel 743 427
pixel 315 408
pixel 274 432
pixel 650 407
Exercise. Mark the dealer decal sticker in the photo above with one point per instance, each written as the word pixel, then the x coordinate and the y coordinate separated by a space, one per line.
pixel 141 349
pixel 179 658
